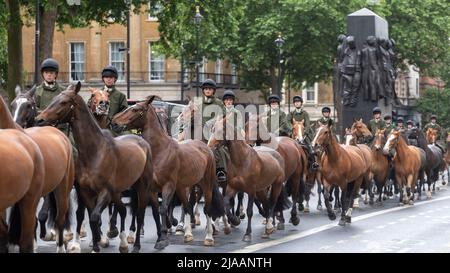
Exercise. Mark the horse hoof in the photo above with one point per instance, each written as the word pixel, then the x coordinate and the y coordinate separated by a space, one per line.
pixel 319 207
pixel 112 233
pixel 104 242
pixel 348 219
pixel 384 198
pixel 301 207
pixel 280 226
pixel 332 216
pixel 179 230
pixel 411 202
pixel 130 237
pixel 265 235
pixel 73 247
pixel 227 230
pixel 269 231
pixel 215 232
pixel 192 225
pixel 123 249
pixel 68 236
pixel 371 202
pixel 162 244
pixel 295 220
pixel 208 242
pixel 264 221
pixel 83 233
pixel 342 222
pixel 142 232
pixel 234 220
pixel 356 206
pixel 174 222
pixel 247 238
pixel 306 210
pixel 188 238
pixel 365 202
pixel 49 236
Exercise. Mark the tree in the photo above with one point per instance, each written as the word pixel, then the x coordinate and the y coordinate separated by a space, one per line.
pixel 3 45
pixel 435 102
pixel 55 13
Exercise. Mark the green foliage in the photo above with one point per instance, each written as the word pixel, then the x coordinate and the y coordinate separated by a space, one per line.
pixel 3 44
pixel 245 32
pixel 435 102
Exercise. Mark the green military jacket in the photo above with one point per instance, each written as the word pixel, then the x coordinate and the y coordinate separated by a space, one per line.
pixel 324 121
pixel 237 117
pixel 44 95
pixel 206 119
pixel 435 127
pixel 373 126
pixel 389 129
pixel 284 127
pixel 117 102
pixel 299 116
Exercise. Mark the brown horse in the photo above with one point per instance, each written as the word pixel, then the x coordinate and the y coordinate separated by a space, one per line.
pixel 57 154
pixel 298 132
pixel 106 166
pixel 380 163
pixel 99 106
pixel 406 163
pixel 360 130
pixel 340 165
pixel 21 185
pixel 251 171
pixel 434 158
pixel 296 163
pixel 178 166
pixel 431 135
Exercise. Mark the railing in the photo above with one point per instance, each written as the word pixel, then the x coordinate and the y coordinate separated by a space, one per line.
pixel 147 77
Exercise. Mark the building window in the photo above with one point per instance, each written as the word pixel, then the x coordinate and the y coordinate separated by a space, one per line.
pixel 117 58
pixel 76 61
pixel 233 74
pixel 219 71
pixel 156 65
pixel 154 8
pixel 309 93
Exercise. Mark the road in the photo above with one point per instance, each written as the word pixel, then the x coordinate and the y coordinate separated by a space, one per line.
pixel 386 228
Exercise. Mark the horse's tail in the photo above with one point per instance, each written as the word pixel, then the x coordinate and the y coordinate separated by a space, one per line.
pixel 283 201
pixel 15 225
pixel 52 210
pixel 216 206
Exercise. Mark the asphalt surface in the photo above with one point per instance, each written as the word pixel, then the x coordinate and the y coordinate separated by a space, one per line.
pixel 385 228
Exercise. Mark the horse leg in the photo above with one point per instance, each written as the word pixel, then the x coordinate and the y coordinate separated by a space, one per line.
pixel 345 205
pixel 62 198
pixel 75 246
pixel 194 201
pixel 133 203
pixel 27 208
pixel 43 217
pixel 229 194
pixel 122 210
pixel 95 213
pixel 167 194
pixel 248 232
pixel 295 220
pixel 3 233
pixel 155 212
pixel 188 214
pixel 319 193
pixel 337 201
pixel 326 199
pixel 241 205
pixel 112 232
pixel 142 200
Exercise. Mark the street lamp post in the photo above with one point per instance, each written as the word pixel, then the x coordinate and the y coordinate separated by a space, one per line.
pixel 197 19
pixel 128 48
pixel 279 42
pixel 36 44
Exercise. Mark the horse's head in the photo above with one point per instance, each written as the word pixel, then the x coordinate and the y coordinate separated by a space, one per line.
pixel 299 130
pixel 24 107
pixel 323 136
pixel 62 107
pixel 134 116
pixel 359 129
pixel 223 131
pixel 432 135
pixel 99 101
pixel 391 142
pixel 379 139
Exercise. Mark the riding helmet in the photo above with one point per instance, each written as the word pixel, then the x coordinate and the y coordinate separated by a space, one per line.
pixel 209 83
pixel 376 110
pixel 297 98
pixel 228 94
pixel 50 65
pixel 273 98
pixel 110 71
pixel 326 109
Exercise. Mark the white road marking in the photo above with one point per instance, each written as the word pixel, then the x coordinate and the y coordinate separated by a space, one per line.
pixel 392 223
pixel 403 219
pixel 306 233
pixel 355 236
pixel 404 250
pixel 325 247
pixel 380 227
pixel 368 231
pixel 341 241
pixel 412 216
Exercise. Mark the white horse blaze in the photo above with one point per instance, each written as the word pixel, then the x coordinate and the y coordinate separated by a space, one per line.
pixel 19 103
pixel 388 142
pixel 315 137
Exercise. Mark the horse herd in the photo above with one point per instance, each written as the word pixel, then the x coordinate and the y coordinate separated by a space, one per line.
pixel 160 171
